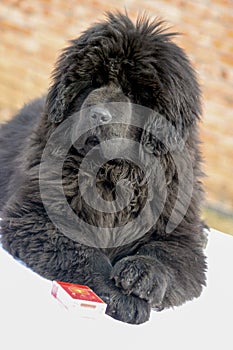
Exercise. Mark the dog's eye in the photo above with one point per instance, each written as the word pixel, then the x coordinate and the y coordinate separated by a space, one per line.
pixel 97 82
pixel 99 77
pixel 147 95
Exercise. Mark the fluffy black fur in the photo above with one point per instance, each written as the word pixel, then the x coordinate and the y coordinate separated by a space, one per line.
pixel 112 61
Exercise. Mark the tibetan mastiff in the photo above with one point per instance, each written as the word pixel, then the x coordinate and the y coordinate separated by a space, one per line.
pixel 100 179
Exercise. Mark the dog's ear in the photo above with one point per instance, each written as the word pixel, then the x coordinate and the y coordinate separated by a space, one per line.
pixel 67 83
pixel 57 99
pixel 60 97
pixel 180 107
pixel 168 131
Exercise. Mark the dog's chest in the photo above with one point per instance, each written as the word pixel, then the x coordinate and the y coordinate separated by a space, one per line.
pixel 112 200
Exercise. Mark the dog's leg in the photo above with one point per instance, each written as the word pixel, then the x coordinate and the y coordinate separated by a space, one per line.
pixel 29 236
pixel 164 273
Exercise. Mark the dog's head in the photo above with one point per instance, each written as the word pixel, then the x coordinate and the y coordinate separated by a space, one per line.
pixel 115 65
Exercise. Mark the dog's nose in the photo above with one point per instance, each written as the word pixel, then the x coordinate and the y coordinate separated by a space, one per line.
pixel 100 115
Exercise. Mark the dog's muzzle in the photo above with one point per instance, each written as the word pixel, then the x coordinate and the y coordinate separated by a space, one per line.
pixel 102 126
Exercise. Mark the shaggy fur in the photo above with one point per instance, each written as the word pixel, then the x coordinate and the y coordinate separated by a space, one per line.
pixel 112 61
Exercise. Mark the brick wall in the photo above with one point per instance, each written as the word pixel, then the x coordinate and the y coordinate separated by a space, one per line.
pixel 33 32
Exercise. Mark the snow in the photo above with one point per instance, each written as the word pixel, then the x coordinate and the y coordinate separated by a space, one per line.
pixel 32 319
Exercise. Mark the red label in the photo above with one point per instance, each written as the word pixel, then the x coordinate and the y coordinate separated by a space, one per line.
pixel 77 291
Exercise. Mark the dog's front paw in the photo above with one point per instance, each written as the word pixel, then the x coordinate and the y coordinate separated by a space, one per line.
pixel 143 277
pixel 128 308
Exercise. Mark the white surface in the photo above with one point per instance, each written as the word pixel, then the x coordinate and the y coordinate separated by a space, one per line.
pixel 31 319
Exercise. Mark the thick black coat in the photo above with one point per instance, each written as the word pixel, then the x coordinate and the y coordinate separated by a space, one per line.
pixel 112 61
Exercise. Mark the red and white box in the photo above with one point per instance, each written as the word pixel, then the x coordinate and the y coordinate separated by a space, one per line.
pixel 78 297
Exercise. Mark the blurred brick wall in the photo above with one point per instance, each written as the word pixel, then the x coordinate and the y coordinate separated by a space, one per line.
pixel 33 32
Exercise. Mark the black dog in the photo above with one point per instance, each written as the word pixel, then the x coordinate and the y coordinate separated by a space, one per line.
pixel 114 74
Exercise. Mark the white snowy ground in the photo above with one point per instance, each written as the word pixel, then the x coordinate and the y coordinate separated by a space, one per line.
pixel 30 318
